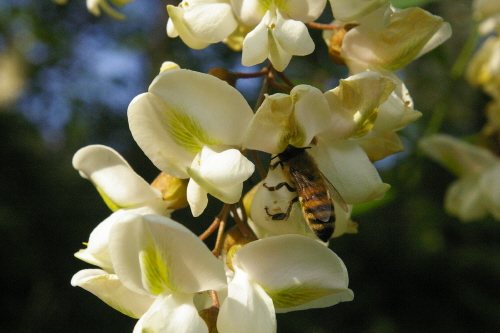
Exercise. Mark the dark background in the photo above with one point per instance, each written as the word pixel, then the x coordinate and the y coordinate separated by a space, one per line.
pixel 412 267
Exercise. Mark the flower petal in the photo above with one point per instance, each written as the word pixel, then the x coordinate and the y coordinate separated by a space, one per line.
pixel 212 21
pixel 97 251
pixel 266 203
pixel 154 254
pixel 110 290
pixel 282 120
pixel 184 111
pixel 119 185
pixel 355 104
pixel 277 56
pixel 390 48
pixel 197 198
pixel 458 156
pixel 247 308
pixel 347 167
pixel 221 173
pixel 350 10
pixel 293 36
pixel 199 23
pixel 176 16
pixel 300 270
pixel 464 199
pixel 172 313
pixel 300 10
pixel 490 184
pixel 255 45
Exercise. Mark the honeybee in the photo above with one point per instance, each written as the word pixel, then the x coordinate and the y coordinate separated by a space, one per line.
pixel 315 192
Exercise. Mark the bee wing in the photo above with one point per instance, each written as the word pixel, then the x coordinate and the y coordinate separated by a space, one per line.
pixel 334 194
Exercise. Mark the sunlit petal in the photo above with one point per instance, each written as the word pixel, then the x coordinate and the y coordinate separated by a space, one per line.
pixel 300 270
pixel 184 111
pixel 348 168
pixel 293 36
pixel 146 252
pixel 113 177
pixel 255 46
pixel 110 290
pixel 391 48
pixel 247 308
pixel 172 313
pixel 350 10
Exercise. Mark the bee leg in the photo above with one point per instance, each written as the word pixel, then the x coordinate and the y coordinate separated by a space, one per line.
pixel 275 165
pixel 285 215
pixel 280 185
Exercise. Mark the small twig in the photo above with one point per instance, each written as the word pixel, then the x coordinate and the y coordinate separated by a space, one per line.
pixel 215 298
pixel 285 79
pixel 215 224
pixel 321 26
pixel 280 86
pixel 260 73
pixel 245 230
pixel 220 235
pixel 258 164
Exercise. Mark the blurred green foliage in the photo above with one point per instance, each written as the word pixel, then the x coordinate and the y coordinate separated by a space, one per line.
pixel 412 267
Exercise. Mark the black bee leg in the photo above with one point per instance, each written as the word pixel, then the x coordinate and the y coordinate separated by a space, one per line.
pixel 282 216
pixel 280 185
pixel 274 165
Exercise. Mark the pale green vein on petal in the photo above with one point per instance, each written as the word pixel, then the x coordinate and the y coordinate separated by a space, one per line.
pixel 154 268
pixel 297 295
pixel 292 132
pixel 365 124
pixel 272 4
pixel 110 203
pixel 186 131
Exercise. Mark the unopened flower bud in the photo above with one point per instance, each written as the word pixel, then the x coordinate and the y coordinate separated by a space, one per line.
pixel 172 189
pixel 335 44
pixel 209 315
pixel 224 75
pixel 167 65
pixel 233 241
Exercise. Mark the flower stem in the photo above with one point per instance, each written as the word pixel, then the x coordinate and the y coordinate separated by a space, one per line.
pixel 245 230
pixel 260 73
pixel 321 26
pixel 215 224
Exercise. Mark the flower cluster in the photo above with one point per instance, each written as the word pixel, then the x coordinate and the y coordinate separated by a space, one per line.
pixel 484 67
pixel 205 138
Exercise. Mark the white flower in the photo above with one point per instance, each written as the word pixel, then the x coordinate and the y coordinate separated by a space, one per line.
pixel 375 13
pixel 484 67
pixel 326 123
pixel 191 125
pixel 200 23
pixel 477 191
pixel 488 13
pixel 123 191
pixel 300 274
pixel 95 6
pixel 279 31
pixel 306 114
pixel 411 33
pixel 160 264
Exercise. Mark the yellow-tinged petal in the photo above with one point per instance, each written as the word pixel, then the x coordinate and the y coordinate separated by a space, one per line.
pixel 110 290
pixel 154 255
pixel 400 42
